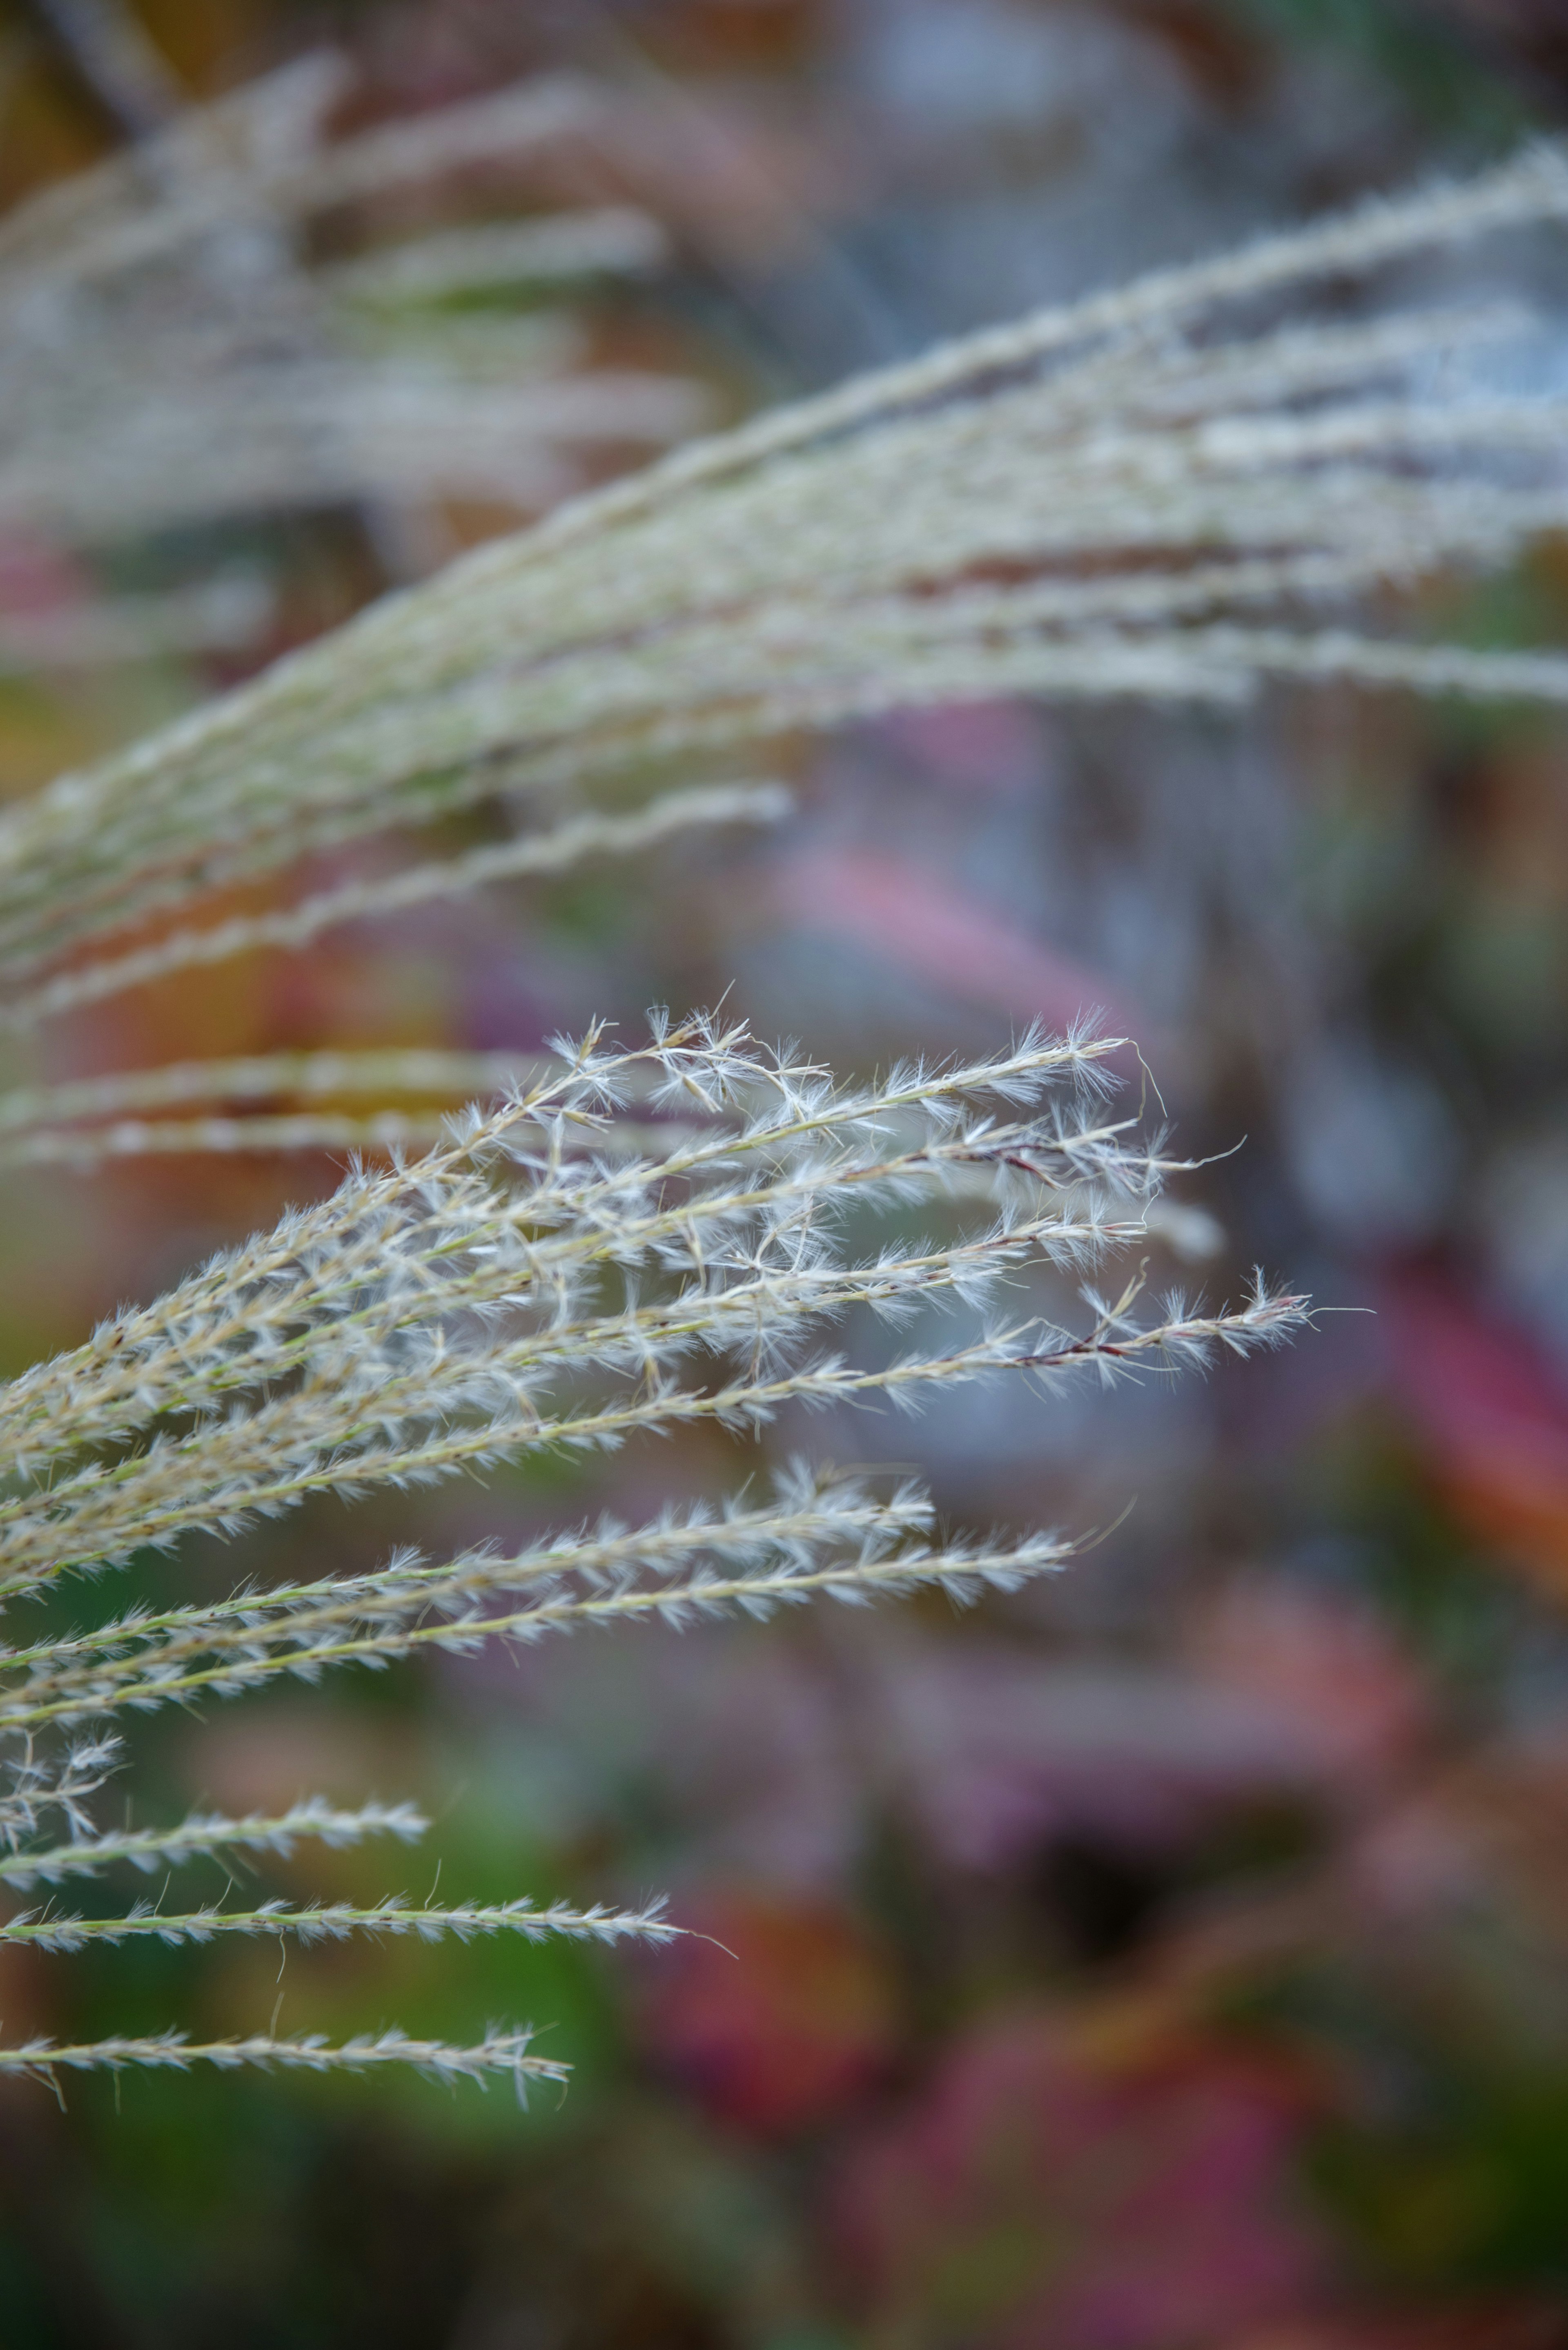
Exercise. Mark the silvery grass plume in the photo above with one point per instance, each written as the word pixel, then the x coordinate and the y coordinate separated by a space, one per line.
pixel 172 353
pixel 528 1287
pixel 1175 492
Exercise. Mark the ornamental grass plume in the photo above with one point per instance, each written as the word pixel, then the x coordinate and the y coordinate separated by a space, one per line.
pixel 1172 492
pixel 522 1290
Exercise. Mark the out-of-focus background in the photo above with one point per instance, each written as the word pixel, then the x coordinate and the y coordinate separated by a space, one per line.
pixel 1173 1957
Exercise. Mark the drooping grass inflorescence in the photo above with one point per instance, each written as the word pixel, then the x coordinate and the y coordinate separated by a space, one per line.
pixel 523 1288
pixel 1174 491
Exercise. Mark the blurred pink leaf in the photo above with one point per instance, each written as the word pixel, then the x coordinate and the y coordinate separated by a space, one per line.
pixel 1340 1690
pixel 942 936
pixel 971 746
pixel 1045 2194
pixel 998 1751
pixel 36 577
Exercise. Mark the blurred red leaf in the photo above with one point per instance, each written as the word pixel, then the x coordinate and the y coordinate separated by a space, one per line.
pixel 779 2020
pixel 1493 1411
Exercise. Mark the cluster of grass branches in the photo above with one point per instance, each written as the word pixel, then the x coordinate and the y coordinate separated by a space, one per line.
pixel 1172 492
pixel 522 1289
